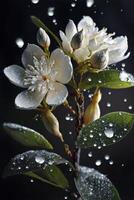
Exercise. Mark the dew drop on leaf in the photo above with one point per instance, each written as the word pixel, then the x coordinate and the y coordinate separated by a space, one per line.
pixel 109 133
pixel 39 159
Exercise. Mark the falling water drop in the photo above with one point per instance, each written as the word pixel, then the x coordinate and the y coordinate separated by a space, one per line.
pixel 90 154
pixel 108 105
pixel 19 42
pixel 73 5
pixel 130 107
pixel 35 1
pixel 50 11
pixel 125 100
pixel 111 162
pixel 107 157
pixel 98 162
pixel 89 3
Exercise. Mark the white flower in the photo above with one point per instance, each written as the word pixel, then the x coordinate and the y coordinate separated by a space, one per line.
pixel 87 26
pixel 43 77
pixel 94 40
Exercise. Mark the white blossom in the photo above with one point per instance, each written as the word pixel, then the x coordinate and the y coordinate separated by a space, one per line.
pixel 43 77
pixel 94 40
pixel 43 38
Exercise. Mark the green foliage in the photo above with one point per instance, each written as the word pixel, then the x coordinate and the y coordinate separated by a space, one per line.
pixel 92 185
pixel 113 79
pixel 51 175
pixel 106 130
pixel 26 136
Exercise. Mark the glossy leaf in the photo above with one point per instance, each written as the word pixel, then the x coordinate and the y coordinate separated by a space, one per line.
pixel 40 24
pixel 32 161
pixel 51 175
pixel 92 185
pixel 26 136
pixel 106 130
pixel 113 79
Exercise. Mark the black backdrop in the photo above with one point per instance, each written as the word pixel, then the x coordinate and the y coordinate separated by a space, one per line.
pixel 117 16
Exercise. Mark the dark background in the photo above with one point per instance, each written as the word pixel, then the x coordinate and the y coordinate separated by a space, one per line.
pixel 117 16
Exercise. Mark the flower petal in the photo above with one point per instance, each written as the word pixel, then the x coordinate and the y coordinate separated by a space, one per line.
pixel 70 30
pixel 15 74
pixel 65 43
pixel 85 23
pixel 115 56
pixel 31 51
pixel 29 100
pixel 63 67
pixel 82 54
pixel 57 95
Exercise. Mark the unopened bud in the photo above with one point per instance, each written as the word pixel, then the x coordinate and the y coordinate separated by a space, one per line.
pixel 100 59
pixel 51 123
pixel 43 38
pixel 77 40
pixel 92 112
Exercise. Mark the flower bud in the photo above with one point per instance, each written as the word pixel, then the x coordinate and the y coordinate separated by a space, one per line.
pixel 92 112
pixel 100 59
pixel 51 123
pixel 77 40
pixel 43 38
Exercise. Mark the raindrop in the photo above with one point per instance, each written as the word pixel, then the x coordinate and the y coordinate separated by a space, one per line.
pixel 54 21
pixel 111 162
pixel 130 107
pixel 73 5
pixel 35 1
pixel 108 105
pixel 85 139
pixel 39 159
pixel 102 13
pixel 65 197
pixel 99 147
pixel 90 154
pixel 70 132
pixel 107 157
pixel 109 133
pixel 125 100
pixel 31 180
pixel 89 79
pixel 50 11
pixel 110 124
pixel 121 10
pixel 19 42
pixel 91 136
pixel 98 162
pixel 69 117
pixel 109 93
pixel 122 164
pixel 125 129
pixel 90 96
pixel 89 3
pixel 123 65
pixel 99 81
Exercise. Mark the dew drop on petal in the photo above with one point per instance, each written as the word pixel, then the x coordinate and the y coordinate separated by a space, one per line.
pixel 109 133
pixel 19 42
pixel 39 159
pixel 89 3
pixel 50 11
pixel 98 162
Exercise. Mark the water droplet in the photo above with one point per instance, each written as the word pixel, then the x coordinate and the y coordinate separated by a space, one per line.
pixel 90 154
pixel 54 21
pixel 110 124
pixel 123 65
pixel 107 157
pixel 73 5
pixel 99 81
pixel 19 42
pixel 89 3
pixel 70 132
pixel 65 197
pixel 99 147
pixel 89 79
pixel 130 107
pixel 91 136
pixel 31 180
pixel 39 159
pixel 111 162
pixel 35 1
pixel 51 162
pixel 109 133
pixel 125 100
pixel 69 117
pixel 50 11
pixel 98 162
pixel 125 129
pixel 90 96
pixel 108 105
pixel 85 139
pixel 109 93
pixel 122 164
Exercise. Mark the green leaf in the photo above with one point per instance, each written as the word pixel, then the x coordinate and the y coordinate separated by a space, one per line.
pixel 113 79
pixel 26 136
pixel 92 185
pixel 51 175
pixel 32 161
pixel 40 24
pixel 107 130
